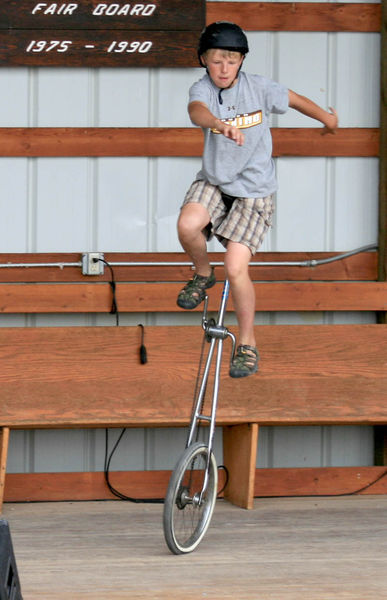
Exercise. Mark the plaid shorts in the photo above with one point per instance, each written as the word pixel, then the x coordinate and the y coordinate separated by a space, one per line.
pixel 246 222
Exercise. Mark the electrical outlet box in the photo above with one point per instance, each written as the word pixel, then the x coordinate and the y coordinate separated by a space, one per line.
pixel 91 263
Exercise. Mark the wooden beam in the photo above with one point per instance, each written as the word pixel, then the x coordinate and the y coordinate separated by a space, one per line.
pixel 45 487
pixel 320 481
pixel 147 266
pixel 161 297
pixel 239 456
pixel 40 487
pixel 310 142
pixel 4 441
pixel 380 441
pixel 297 16
pixel 383 153
pixel 179 141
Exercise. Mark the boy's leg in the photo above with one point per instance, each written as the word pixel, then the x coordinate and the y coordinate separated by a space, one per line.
pixel 237 258
pixel 236 263
pixel 192 220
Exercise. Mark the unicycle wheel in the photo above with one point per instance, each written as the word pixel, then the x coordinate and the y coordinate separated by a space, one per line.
pixel 187 512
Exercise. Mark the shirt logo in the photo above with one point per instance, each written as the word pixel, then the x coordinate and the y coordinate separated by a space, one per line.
pixel 243 121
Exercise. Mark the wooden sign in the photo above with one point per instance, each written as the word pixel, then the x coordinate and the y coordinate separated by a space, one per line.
pixel 163 33
pixel 95 48
pixel 90 14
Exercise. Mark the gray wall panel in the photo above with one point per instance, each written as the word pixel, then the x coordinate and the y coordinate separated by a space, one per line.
pixel 131 204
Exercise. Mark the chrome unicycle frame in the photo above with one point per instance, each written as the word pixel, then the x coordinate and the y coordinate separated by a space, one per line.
pixel 192 489
pixel 216 333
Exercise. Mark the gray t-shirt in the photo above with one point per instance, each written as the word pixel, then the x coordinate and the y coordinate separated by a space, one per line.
pixel 245 171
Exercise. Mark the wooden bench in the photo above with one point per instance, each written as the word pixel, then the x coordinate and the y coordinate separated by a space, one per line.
pixel 91 377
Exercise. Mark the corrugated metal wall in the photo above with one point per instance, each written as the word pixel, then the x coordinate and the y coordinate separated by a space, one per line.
pixel 131 204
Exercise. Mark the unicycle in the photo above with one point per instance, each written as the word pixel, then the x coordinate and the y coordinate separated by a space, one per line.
pixel 193 486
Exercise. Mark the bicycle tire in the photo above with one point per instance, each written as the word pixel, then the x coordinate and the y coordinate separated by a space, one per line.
pixel 186 521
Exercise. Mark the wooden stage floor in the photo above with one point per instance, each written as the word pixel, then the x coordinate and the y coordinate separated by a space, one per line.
pixel 283 549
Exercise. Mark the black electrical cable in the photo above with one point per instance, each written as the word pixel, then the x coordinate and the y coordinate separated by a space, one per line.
pixel 143 360
pixel 112 283
pixel 365 487
pixel 225 469
pixel 114 491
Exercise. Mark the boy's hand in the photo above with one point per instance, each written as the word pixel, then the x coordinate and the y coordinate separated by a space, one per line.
pixel 231 132
pixel 331 122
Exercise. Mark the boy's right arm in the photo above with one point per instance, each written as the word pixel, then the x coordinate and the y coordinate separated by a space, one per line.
pixel 201 115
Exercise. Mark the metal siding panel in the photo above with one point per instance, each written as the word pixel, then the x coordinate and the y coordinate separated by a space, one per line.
pixel 123 194
pixel 302 66
pixel 358 79
pixel 265 447
pixel 356 209
pixel 14 105
pixel 261 56
pixel 167 444
pixel 296 447
pixel 165 447
pixel 62 320
pixel 123 97
pixel 299 318
pixel 14 321
pixel 130 454
pixel 300 222
pixel 347 318
pixel 62 206
pixel 56 450
pixel 108 320
pixel 330 446
pixel 19 455
pixel 13 204
pixel 173 180
pixel 179 319
pixel 65 97
pixel 173 87
pixel 348 446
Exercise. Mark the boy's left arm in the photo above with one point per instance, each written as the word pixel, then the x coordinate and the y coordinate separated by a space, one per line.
pixel 311 109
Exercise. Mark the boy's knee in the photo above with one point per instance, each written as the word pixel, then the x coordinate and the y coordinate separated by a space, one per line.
pixel 234 268
pixel 186 228
pixel 183 224
pixel 236 261
pixel 192 220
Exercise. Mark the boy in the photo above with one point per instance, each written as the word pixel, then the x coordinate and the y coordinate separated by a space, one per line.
pixel 231 197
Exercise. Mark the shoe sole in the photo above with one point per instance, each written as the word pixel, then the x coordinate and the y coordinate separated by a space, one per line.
pixel 240 374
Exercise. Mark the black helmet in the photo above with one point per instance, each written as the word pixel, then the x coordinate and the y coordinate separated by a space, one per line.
pixel 223 35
